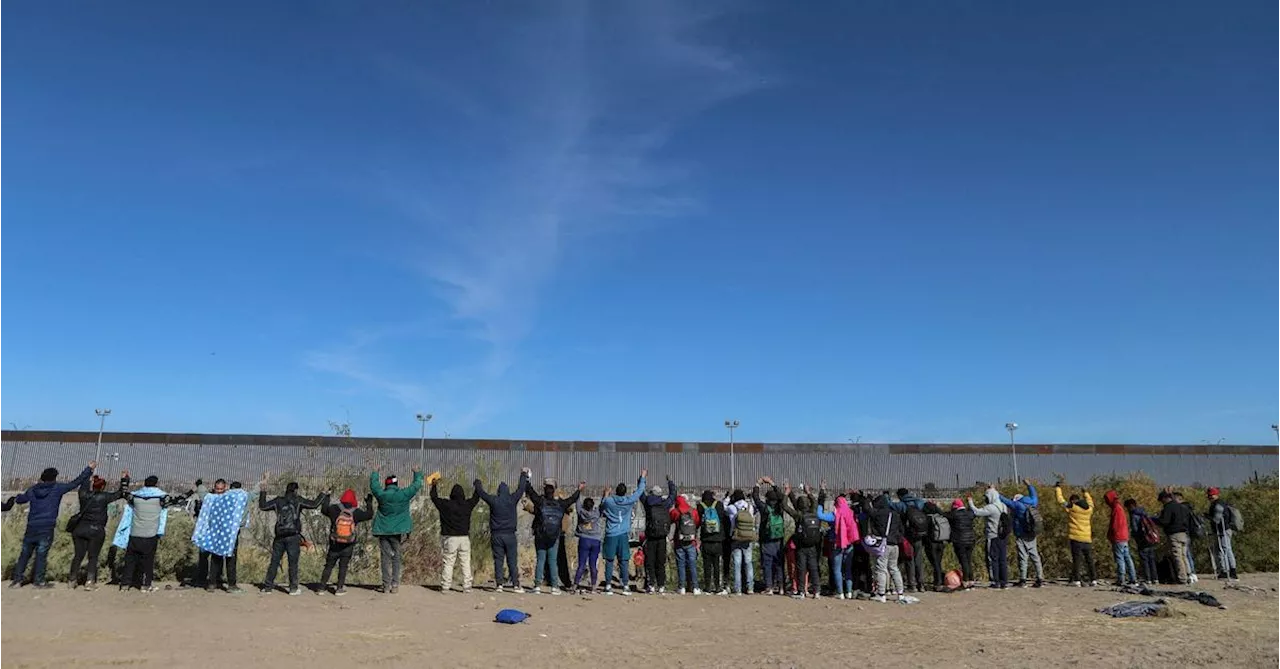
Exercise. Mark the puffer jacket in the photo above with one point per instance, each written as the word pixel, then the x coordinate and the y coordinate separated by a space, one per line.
pixel 1079 517
pixel 44 499
pixel 1118 531
pixel 962 531
pixel 393 515
pixel 93 509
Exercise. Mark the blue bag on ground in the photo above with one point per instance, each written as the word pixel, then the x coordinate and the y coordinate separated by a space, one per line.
pixel 510 616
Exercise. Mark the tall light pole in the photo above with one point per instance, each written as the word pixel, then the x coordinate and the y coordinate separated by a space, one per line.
pixel 1013 448
pixel 423 418
pixel 731 425
pixel 1276 428
pixel 102 422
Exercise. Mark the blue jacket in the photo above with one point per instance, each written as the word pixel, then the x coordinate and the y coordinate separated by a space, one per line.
pixel 1020 508
pixel 503 505
pixel 907 500
pixel 617 511
pixel 45 498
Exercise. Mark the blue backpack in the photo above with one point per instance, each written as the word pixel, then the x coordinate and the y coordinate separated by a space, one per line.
pixel 511 617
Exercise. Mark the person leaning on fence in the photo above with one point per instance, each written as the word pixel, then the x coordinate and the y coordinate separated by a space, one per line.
pixel 344 519
pixel 455 532
pixel 44 499
pixel 1079 533
pixel 288 531
pixel 89 527
pixel 392 523
pixel 1223 521
pixel 1025 528
pixel 502 529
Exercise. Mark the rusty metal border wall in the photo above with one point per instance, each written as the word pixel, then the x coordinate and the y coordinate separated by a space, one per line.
pixel 182 457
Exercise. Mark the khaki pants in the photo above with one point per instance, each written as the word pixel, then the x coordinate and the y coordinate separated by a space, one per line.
pixel 1178 546
pixel 455 548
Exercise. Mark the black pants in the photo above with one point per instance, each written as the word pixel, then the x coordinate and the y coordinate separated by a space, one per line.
pixel 655 563
pixel 712 566
pixel 773 565
pixel 807 565
pixel 201 578
pixel 1081 550
pixel 279 547
pixel 562 563
pixel 140 561
pixel 90 546
pixel 218 563
pixel 504 554
pixel 918 550
pixel 1147 556
pixel 339 554
pixel 964 555
pixel 933 550
pixel 998 560
pixel 862 578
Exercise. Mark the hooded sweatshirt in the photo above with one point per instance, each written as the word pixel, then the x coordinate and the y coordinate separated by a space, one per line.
pixel 45 497
pixel 503 505
pixel 883 521
pixel 348 502
pixel 589 525
pixel 617 510
pixel 1118 532
pixel 844 525
pixel 455 512
pixel 1079 522
pixel 682 507
pixel 1135 527
pixel 767 508
pixel 991 511
pixel 1021 510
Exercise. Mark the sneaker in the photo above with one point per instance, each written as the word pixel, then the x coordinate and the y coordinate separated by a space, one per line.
pixel 1022 584
pixel 1038 584
pixel 680 591
pixel 1195 579
pixel 662 590
pixel 340 591
pixel 797 596
pixel 149 588
pixel 994 586
pixel 234 590
pixel 537 590
pixel 15 584
pixel 902 599
pixel 879 598
pixel 1077 584
pixel 91 586
pixel 210 588
pixel 518 590
pixel 294 592
pixel 648 590
pixel 395 589
pixel 624 593
pixel 266 589
pixel 499 589
pixel 47 585
pixel 697 591
pixel 608 590
pixel 466 590
pixel 1004 586
pixel 555 591
pixel 1093 584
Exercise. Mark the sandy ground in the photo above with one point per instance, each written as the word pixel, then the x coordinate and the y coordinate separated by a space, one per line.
pixel 1054 626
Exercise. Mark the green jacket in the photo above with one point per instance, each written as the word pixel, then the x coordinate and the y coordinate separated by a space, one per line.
pixel 393 505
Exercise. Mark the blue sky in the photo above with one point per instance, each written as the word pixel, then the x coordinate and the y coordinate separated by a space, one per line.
pixel 632 220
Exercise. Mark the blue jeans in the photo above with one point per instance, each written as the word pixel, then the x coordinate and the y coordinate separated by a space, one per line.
pixel 841 569
pixel 588 557
pixel 547 558
pixel 741 558
pixel 772 564
pixel 1126 572
pixel 687 567
pixel 505 552
pixel 40 545
pixel 1191 562
pixel 616 547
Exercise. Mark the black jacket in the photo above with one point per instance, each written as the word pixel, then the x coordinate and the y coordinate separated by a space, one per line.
pixel 455 512
pixel 503 505
pixel 721 515
pixel 288 508
pixel 769 505
pixel 544 540
pixel 360 514
pixel 962 531
pixel 93 509
pixel 1174 518
pixel 883 521
pixel 657 512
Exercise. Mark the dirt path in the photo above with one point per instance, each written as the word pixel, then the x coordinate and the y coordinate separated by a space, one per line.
pixel 1055 626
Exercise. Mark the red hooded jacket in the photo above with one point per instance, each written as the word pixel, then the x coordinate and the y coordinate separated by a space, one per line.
pixel 681 507
pixel 1119 529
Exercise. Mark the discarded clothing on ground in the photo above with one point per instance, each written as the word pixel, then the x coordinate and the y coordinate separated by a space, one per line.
pixel 1158 608
pixel 511 617
pixel 1201 597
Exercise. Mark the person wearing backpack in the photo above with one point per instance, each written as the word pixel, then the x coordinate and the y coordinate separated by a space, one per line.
pixel 1118 533
pixel 1195 530
pixel 343 519
pixel 393 522
pixel 1146 533
pixel 884 525
pixel 503 507
pixel 714 532
pixel 742 533
pixel 288 531
pixel 1225 520
pixel 1026 526
pixel 772 534
pixel 455 533
pixel 1079 533
pixel 999 526
pixel 549 518
pixel 963 538
pixel 915 524
pixel 657 527
pixel 686 520
pixel 617 511
pixel 808 538
pixel 935 540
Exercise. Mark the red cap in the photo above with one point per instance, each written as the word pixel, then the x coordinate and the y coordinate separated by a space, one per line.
pixel 957 504
pixel 349 498
pixel 389 480
pixel 1213 492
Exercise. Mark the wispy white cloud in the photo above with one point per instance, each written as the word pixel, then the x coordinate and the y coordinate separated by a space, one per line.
pixel 568 111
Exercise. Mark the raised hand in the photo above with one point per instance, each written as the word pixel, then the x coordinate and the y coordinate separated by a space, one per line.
pixel 416 469
pixel 93 464
pixel 124 473
pixel 582 485
pixel 644 473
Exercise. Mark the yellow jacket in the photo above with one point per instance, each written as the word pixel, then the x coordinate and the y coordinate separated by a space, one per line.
pixel 1078 519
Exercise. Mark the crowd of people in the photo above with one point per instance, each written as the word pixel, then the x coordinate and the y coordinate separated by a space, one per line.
pixel 875 544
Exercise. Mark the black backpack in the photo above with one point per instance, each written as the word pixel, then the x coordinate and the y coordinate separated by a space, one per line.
pixel 1033 522
pixel 1196 527
pixel 659 523
pixel 688 528
pixel 810 530
pixel 1006 525
pixel 917 523
pixel 552 519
